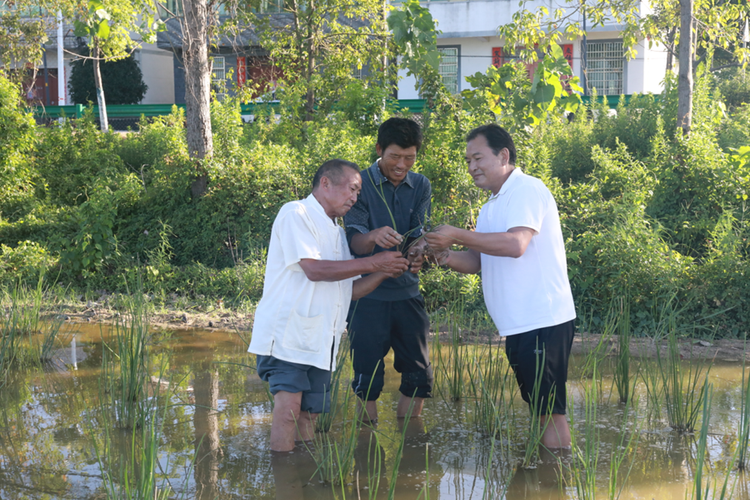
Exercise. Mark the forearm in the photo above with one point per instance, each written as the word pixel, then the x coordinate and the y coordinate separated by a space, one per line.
pixel 335 270
pixel 507 244
pixel 466 262
pixel 364 286
pixel 363 243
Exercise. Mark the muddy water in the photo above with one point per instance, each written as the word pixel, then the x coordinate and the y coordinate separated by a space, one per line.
pixel 47 438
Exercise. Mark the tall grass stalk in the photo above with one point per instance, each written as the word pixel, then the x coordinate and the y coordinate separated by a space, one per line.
pixel 125 363
pixel 653 382
pixel 709 490
pixel 399 452
pixel 492 390
pixel 626 446
pixel 743 433
pixel 25 335
pixel 684 384
pixel 451 369
pixel 536 427
pixel 585 446
pixel 136 475
pixel 622 365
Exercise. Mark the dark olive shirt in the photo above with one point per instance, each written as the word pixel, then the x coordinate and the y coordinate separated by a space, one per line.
pixel 409 206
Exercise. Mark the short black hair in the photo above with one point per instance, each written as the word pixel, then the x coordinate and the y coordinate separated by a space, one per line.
pixel 402 132
pixel 497 139
pixel 334 170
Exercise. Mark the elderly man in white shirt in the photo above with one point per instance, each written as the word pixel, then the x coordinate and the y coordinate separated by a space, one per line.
pixel 310 280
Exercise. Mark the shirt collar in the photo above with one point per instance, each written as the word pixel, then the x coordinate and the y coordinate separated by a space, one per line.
pixel 315 205
pixel 378 178
pixel 514 175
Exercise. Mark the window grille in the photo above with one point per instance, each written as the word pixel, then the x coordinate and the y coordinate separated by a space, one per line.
pixel 605 63
pixel 448 68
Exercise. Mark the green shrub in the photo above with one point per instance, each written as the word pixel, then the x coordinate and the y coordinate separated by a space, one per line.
pixel 17 138
pixel 24 263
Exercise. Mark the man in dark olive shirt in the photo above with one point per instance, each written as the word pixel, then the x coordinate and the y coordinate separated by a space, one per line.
pixel 391 209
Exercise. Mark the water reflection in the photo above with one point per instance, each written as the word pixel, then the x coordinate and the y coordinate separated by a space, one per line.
pixel 219 421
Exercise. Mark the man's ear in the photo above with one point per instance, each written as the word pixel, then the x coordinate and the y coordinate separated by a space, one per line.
pixel 378 149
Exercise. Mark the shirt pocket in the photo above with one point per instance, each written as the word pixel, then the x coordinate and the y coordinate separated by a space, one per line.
pixel 303 333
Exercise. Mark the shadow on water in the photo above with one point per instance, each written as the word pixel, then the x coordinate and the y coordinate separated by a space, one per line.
pixel 214 441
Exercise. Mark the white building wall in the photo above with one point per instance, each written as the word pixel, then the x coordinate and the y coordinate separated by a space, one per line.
pixel 472 25
pixel 158 74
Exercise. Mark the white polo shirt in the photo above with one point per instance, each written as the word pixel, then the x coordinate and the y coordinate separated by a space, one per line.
pixel 299 320
pixel 532 291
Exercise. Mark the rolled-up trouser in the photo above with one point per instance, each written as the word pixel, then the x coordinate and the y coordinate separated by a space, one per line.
pixel 375 327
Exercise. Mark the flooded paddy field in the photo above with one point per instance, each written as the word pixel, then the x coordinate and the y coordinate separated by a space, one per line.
pixel 202 423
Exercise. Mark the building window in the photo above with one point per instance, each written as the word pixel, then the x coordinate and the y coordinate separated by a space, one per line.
pixel 605 62
pixel 218 76
pixel 448 68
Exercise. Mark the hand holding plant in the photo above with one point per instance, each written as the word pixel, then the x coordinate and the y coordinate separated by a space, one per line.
pixel 391 263
pixel 386 237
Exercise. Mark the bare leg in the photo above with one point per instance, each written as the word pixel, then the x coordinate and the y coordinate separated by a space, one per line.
pixel 371 407
pixel 286 414
pixel 557 433
pixel 404 402
pixel 306 426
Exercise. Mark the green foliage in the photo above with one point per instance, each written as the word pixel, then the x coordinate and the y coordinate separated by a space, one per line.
pixel 17 138
pixel 122 81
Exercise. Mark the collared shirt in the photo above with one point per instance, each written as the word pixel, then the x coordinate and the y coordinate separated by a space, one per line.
pixel 408 204
pixel 298 320
pixel 531 291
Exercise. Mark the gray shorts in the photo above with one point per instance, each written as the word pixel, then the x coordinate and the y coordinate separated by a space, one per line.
pixel 312 382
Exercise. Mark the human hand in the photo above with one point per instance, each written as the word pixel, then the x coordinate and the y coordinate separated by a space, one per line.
pixel 415 256
pixel 386 237
pixel 440 238
pixel 392 264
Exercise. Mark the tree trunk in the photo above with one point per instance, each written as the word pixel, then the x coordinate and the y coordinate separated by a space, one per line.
pixel 685 81
pixel 100 100
pixel 311 53
pixel 195 35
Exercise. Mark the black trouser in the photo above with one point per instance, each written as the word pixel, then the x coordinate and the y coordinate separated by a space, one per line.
pixel 375 327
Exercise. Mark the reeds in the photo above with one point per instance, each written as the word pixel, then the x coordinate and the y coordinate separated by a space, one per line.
pixel 684 384
pixel 709 490
pixel 585 446
pixel 622 364
pixel 492 391
pixel 125 363
pixel 451 372
pixel 743 433
pixel 537 425
pixel 26 336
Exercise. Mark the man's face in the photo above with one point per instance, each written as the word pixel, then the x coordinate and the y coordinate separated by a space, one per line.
pixel 488 170
pixel 342 196
pixel 395 162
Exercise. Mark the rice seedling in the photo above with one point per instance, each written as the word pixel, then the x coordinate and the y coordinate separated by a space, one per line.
pixel 684 383
pixel 338 386
pixel 743 433
pixel 626 446
pixel 492 391
pixel 585 446
pixel 374 463
pixel 136 474
pixel 622 364
pixel 709 490
pixel 537 424
pixel 26 336
pixel 125 363
pixel 451 369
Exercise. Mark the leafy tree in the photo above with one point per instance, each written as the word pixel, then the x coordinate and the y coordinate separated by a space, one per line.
pixel 122 80
pixel 321 44
pixel 108 25
pixel 714 24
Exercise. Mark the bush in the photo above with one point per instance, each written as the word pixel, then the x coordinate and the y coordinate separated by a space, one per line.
pixel 122 81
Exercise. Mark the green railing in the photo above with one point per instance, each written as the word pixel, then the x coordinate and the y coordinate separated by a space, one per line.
pixel 137 110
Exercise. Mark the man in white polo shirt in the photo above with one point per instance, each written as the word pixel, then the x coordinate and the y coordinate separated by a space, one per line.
pixel 310 280
pixel 518 246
